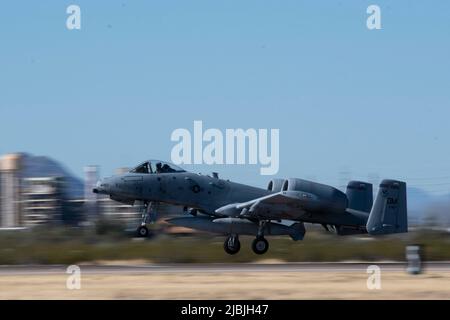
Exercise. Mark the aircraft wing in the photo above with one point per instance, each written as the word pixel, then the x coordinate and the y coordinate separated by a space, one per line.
pixel 281 205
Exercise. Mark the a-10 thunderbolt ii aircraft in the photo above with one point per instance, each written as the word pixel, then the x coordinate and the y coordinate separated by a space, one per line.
pixel 233 209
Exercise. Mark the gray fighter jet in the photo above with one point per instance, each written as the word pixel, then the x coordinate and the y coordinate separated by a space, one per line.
pixel 233 209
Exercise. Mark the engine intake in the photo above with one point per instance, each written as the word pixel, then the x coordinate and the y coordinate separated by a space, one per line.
pixel 275 185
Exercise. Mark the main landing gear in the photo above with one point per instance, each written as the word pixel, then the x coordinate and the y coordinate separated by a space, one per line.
pixel 232 245
pixel 260 245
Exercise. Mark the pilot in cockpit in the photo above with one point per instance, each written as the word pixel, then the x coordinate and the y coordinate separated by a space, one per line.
pixel 143 168
pixel 156 167
pixel 167 169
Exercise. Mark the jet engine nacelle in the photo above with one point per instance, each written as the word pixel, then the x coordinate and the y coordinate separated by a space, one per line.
pixel 326 197
pixel 275 185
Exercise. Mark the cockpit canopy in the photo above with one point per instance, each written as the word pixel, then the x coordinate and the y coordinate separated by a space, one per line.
pixel 155 167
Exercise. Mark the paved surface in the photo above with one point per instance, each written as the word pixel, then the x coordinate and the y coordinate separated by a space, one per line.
pixel 137 280
pixel 215 268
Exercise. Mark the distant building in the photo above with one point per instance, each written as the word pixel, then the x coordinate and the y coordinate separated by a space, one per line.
pixel 35 191
pixel 10 191
pixel 119 212
pixel 42 201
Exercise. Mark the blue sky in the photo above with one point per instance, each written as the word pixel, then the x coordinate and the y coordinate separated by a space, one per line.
pixel 345 99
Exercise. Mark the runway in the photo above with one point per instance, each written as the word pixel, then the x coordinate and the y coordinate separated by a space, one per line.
pixel 259 281
pixel 123 269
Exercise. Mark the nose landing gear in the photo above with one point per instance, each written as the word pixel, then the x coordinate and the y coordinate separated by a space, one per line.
pixel 148 216
pixel 143 232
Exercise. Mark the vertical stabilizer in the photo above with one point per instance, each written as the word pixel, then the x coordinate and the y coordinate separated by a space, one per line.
pixel 389 212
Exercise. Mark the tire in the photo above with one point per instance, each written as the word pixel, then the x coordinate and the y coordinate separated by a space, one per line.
pixel 234 249
pixel 260 245
pixel 142 232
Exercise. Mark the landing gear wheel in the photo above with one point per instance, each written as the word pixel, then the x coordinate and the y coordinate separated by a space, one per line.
pixel 232 245
pixel 260 245
pixel 142 232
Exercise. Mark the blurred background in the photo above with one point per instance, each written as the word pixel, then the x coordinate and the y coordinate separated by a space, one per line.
pixel 50 216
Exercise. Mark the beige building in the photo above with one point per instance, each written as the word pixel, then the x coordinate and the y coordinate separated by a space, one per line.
pixel 42 201
pixel 24 201
pixel 10 191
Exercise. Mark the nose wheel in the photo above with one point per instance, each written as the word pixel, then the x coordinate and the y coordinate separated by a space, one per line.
pixel 148 216
pixel 143 232
pixel 260 245
pixel 232 245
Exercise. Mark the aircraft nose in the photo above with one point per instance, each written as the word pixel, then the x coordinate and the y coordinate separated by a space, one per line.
pixel 98 187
